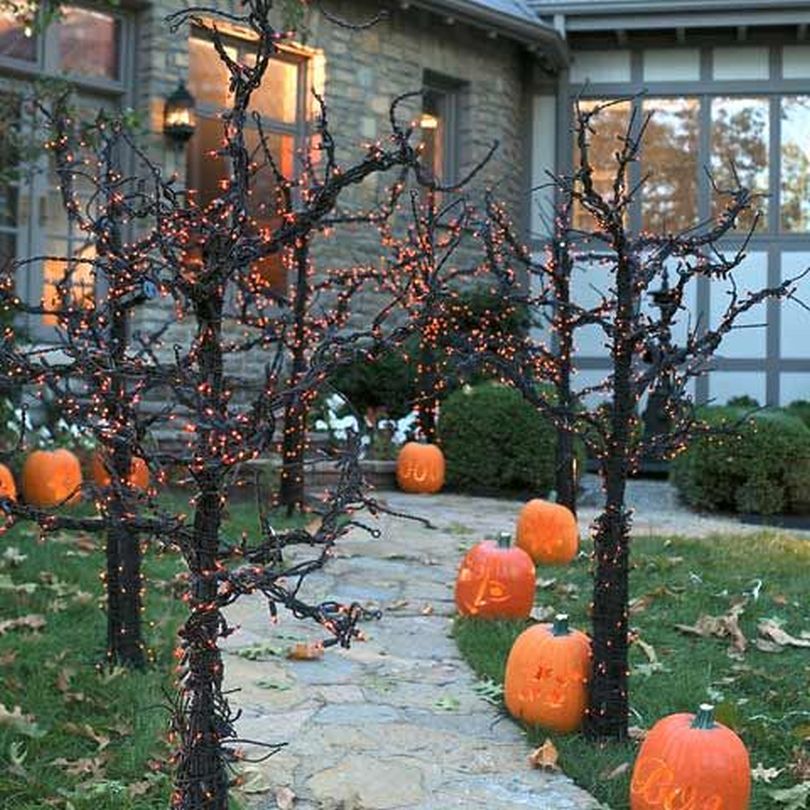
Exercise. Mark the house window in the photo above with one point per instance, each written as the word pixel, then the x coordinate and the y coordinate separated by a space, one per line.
pixel 280 100
pixel 439 124
pixel 88 46
pixel 15 42
pixel 740 138
pixel 89 43
pixel 609 126
pixel 670 164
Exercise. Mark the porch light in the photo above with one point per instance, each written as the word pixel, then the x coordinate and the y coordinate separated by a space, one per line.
pixel 428 121
pixel 179 115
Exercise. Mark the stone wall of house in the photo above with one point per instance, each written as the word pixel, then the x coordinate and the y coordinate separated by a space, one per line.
pixel 362 71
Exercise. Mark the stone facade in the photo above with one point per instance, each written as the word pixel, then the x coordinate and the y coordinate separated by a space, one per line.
pixel 359 73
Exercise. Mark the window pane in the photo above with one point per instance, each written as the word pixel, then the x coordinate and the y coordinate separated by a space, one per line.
pixel 208 77
pixel 14 44
pixel 795 170
pixel 206 174
pixel 670 164
pixel 609 126
pixel 277 97
pixel 78 274
pixel 740 134
pixel 208 80
pixel 433 127
pixel 88 43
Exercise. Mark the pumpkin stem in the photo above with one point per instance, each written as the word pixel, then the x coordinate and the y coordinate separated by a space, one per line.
pixel 560 626
pixel 504 540
pixel 705 716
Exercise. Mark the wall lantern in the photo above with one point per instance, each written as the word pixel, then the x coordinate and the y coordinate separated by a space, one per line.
pixel 179 115
pixel 428 121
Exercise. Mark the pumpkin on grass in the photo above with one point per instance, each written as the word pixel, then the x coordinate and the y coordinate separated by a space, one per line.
pixel 8 489
pixel 691 761
pixel 495 581
pixel 420 468
pixel 548 532
pixel 50 477
pixel 547 674
pixel 138 471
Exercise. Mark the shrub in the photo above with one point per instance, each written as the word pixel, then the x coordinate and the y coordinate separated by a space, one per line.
pixel 494 441
pixel 760 464
pixel 800 408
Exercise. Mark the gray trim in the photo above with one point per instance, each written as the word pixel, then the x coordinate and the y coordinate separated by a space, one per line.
pixel 532 32
pixel 747 87
pixel 668 21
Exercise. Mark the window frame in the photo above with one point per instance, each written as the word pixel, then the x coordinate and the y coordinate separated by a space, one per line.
pixel 705 90
pixel 32 228
pixel 449 92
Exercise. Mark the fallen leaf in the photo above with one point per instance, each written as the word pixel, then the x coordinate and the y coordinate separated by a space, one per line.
pixel 794 798
pixel 543 613
pixel 251 780
pixel 17 754
pixel 63 679
pixel 8 658
pixel 399 604
pixel 86 766
pixel 616 772
pixel 800 767
pixel 13 557
pixel 726 626
pixel 545 756
pixel 427 610
pixel 542 584
pixel 258 652
pixel 285 798
pixel 33 622
pixel 636 733
pixel 448 704
pixel 86 730
pixel 766 775
pixel 21 723
pixel 771 631
pixel 305 651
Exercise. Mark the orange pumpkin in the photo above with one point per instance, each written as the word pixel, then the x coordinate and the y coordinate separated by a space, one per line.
pixel 547 674
pixel 138 472
pixel 420 468
pixel 691 762
pixel 547 532
pixel 49 477
pixel 495 581
pixel 8 488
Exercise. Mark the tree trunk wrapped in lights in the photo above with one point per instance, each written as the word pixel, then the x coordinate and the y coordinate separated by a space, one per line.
pixel 645 356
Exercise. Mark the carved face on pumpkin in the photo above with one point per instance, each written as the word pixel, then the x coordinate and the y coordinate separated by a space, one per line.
pixel 546 677
pixel 420 468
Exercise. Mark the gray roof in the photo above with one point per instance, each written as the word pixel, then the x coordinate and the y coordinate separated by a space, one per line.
pixel 512 18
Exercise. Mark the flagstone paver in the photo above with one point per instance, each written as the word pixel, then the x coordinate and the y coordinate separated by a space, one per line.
pixel 395 722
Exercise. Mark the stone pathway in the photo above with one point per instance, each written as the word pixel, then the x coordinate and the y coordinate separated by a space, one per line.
pixel 395 722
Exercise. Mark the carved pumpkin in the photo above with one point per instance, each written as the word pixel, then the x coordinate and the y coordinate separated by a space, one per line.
pixel 50 477
pixel 495 581
pixel 547 532
pixel 420 468
pixel 138 472
pixel 691 762
pixel 547 673
pixel 8 488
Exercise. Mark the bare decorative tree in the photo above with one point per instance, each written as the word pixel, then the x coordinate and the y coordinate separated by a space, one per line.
pixel 657 352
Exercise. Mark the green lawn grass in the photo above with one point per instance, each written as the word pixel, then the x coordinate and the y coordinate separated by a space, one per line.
pixel 764 696
pixel 98 736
